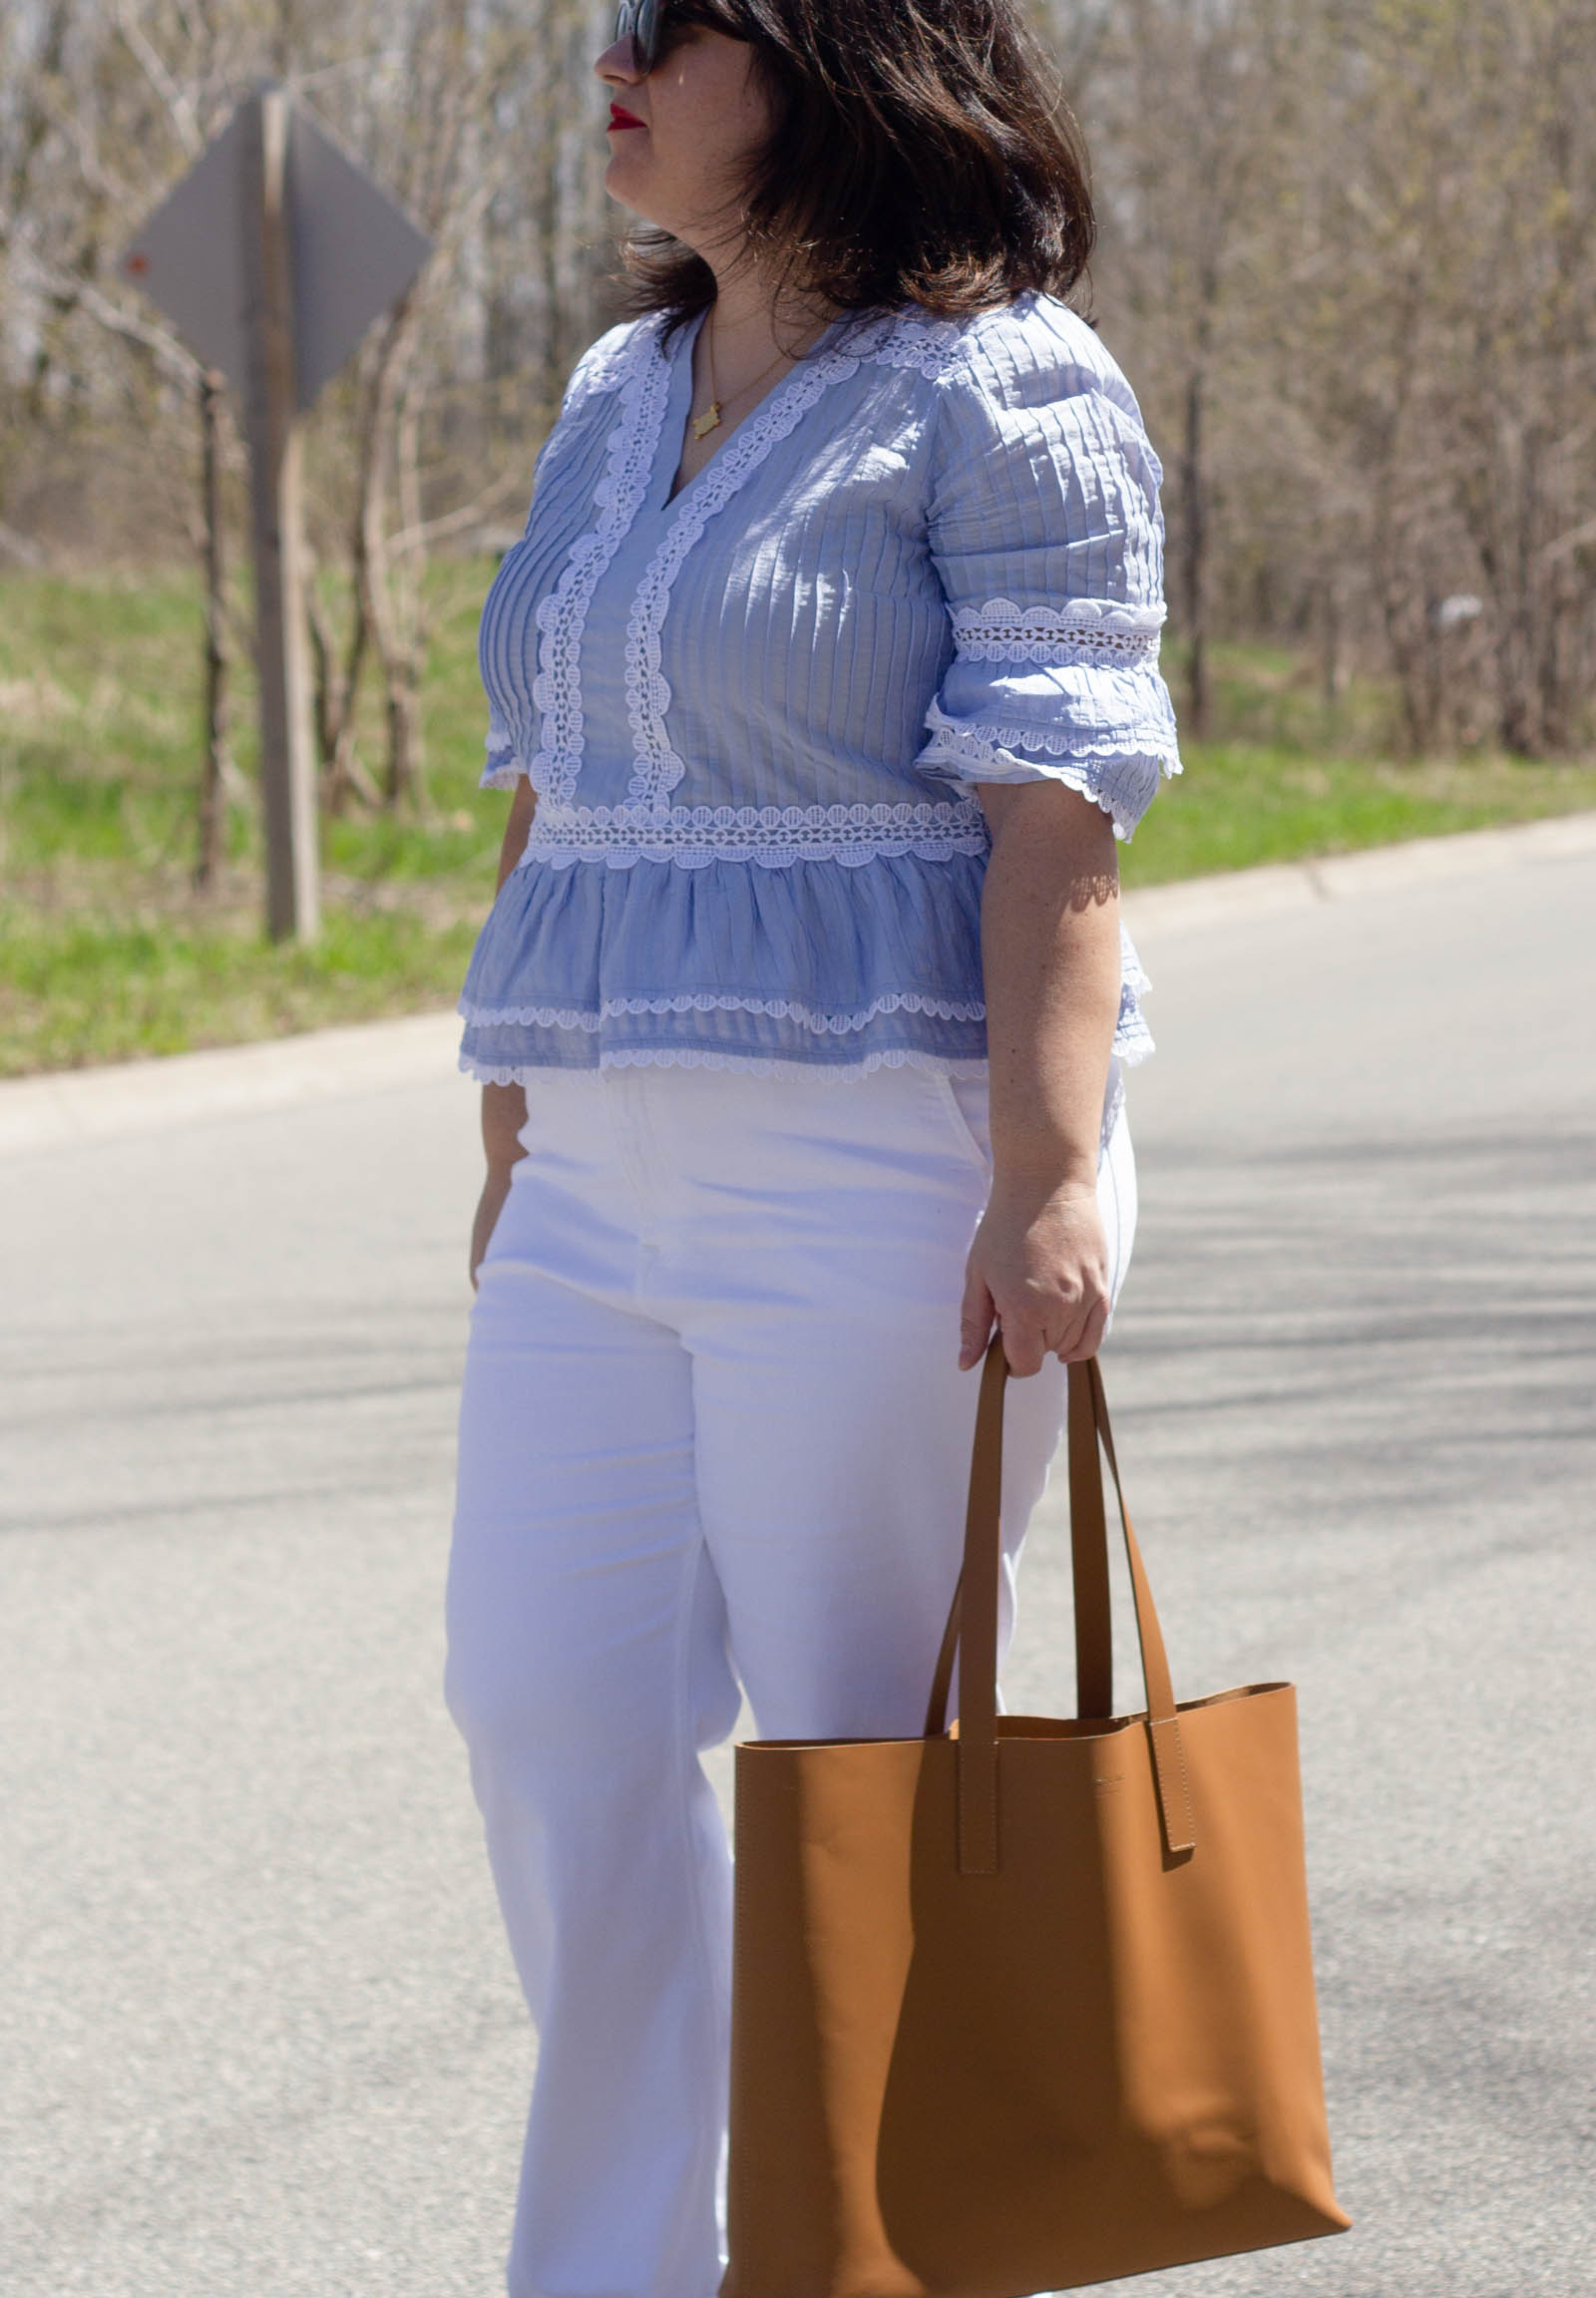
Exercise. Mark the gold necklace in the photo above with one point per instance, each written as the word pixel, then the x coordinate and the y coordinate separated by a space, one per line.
pixel 705 424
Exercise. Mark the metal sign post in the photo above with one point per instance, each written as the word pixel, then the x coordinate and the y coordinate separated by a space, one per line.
pixel 273 257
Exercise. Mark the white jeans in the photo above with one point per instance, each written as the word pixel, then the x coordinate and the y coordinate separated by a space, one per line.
pixel 712 1429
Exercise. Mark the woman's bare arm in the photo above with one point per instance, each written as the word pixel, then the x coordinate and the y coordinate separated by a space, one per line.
pixel 504 1107
pixel 1051 966
pixel 521 807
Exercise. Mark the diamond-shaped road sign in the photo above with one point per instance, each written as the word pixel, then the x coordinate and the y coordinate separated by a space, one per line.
pixel 354 252
pixel 273 257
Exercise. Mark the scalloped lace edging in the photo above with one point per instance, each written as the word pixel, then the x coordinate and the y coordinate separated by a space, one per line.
pixel 604 363
pixel 643 382
pixel 659 767
pixel 1147 741
pixel 714 1001
pixel 528 1017
pixel 502 768
pixel 933 347
pixel 1108 769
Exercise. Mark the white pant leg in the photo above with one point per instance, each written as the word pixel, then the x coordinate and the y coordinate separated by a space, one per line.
pixel 715 1349
pixel 587 1666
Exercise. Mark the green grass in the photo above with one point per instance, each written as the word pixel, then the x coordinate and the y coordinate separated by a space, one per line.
pixel 78 989
pixel 105 951
pixel 1240 803
pixel 107 954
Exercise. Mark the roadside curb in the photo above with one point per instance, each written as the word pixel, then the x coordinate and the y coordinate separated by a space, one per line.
pixel 128 1097
pixel 132 1098
pixel 1234 896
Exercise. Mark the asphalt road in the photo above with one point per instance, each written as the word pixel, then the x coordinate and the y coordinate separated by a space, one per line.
pixel 259 2033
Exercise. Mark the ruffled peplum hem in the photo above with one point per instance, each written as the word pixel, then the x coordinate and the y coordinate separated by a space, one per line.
pixel 817 967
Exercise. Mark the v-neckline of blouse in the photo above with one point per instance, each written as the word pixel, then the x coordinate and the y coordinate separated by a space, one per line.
pixel 678 400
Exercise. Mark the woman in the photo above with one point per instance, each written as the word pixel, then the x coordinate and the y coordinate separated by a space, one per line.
pixel 822 679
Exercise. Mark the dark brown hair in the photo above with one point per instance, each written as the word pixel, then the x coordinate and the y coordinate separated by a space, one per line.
pixel 921 151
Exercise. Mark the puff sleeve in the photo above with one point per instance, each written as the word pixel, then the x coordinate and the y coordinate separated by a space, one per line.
pixel 500 768
pixel 1046 535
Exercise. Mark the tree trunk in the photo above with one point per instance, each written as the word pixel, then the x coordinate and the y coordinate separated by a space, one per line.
pixel 213 800
pixel 337 692
pixel 406 658
pixel 1193 556
pixel 391 622
pixel 1330 656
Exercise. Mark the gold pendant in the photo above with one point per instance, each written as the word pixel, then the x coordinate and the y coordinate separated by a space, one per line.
pixel 705 424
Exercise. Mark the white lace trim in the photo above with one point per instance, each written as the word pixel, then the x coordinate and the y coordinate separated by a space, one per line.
pixel 985 742
pixel 1083 633
pixel 500 741
pixel 693 1058
pixel 502 769
pixel 604 363
pixel 934 348
pixel 659 768
pixel 644 381
pixel 774 836
pixel 528 1017
pixel 810 1017
pixel 1110 769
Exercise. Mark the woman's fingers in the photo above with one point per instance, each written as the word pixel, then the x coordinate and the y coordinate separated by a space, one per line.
pixel 1026 1349
pixel 1084 1334
pixel 976 1315
pixel 1072 1332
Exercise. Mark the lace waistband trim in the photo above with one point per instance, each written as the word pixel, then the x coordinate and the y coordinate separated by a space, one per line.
pixel 776 836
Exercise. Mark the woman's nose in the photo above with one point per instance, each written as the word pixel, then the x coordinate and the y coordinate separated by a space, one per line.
pixel 616 63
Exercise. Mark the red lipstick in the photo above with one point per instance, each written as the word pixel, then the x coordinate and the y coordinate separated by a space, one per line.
pixel 619 116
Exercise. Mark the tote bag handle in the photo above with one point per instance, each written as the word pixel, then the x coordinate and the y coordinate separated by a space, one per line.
pixel 972 1628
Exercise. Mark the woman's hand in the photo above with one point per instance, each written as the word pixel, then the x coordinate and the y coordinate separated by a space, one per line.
pixel 488 1207
pixel 504 1113
pixel 504 1107
pixel 1038 1267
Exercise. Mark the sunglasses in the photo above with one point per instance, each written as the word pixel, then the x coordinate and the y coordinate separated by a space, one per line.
pixel 647 22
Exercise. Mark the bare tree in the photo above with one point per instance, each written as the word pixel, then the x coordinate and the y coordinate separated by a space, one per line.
pixel 219 651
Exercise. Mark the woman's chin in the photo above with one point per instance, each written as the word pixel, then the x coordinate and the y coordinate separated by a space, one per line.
pixel 625 176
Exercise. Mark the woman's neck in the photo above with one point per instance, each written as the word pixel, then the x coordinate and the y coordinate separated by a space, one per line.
pixel 750 332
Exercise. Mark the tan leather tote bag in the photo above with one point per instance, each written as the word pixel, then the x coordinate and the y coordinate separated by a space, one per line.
pixel 1027 2004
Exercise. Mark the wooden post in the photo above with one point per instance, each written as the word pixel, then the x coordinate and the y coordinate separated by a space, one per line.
pixel 287 769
